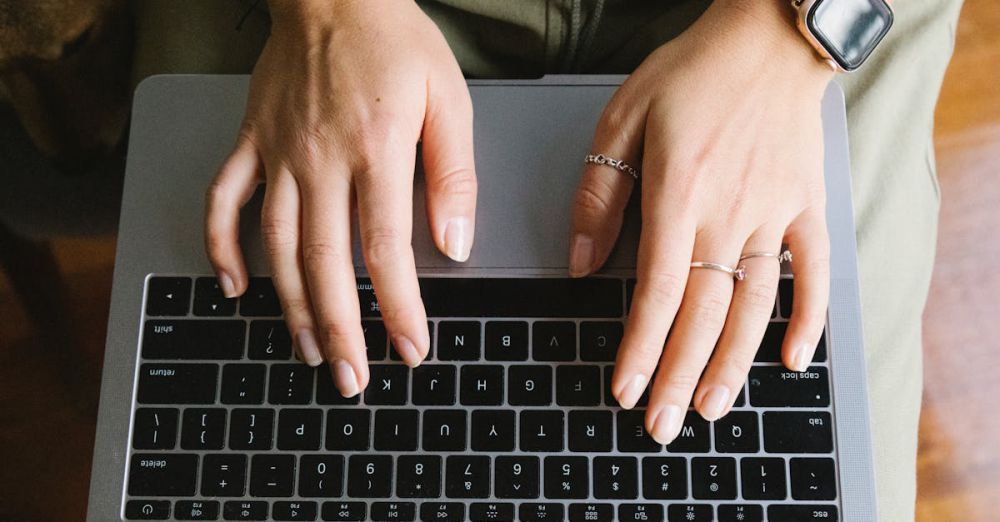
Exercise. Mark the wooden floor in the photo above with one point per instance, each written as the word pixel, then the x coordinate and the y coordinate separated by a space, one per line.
pixel 46 431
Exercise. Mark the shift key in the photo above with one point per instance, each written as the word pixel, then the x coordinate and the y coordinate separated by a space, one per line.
pixel 177 383
pixel 193 339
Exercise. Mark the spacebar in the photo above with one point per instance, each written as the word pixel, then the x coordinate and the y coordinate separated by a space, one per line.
pixel 510 297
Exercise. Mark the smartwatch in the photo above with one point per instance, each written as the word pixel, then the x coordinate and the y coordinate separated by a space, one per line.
pixel 843 32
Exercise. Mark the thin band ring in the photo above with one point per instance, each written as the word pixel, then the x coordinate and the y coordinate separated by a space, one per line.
pixel 617 164
pixel 738 273
pixel 784 256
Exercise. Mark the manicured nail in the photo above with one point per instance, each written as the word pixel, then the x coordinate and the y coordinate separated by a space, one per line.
pixel 581 255
pixel 714 402
pixel 802 357
pixel 227 286
pixel 455 241
pixel 308 347
pixel 668 424
pixel 632 391
pixel 407 351
pixel 345 378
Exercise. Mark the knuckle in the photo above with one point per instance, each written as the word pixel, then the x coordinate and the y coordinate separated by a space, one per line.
pixel 460 181
pixel 708 310
pixel 734 365
pixel 382 245
pixel 277 235
pixel 593 198
pixel 661 288
pixel 295 309
pixel 319 253
pixel 757 296
pixel 678 384
pixel 645 352
pixel 336 332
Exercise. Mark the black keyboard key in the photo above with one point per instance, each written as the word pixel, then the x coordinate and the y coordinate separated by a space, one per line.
pixel 777 386
pixel 369 476
pixel 482 385
pixel 506 341
pixel 590 430
pixel 813 478
pixel 162 475
pixel 177 383
pixel 154 428
pixel 193 339
pixel 693 437
pixel 244 510
pixel 763 478
pixel 487 511
pixel 269 340
pixel 737 432
pixel 327 393
pixel 713 478
pixel 209 301
pixel 442 511
pixel 609 398
pixel 458 341
pixel 147 509
pixel 285 510
pixel 599 340
pixel 616 477
pixel 375 339
pixel 396 430
pixel 299 429
pixel 260 299
pixel 588 512
pixel 347 429
pixel 519 297
pixel 553 341
pixel 801 513
pixel 493 430
pixel 798 432
pixel 690 512
pixel 785 286
pixel 290 384
pixel 540 512
pixel 664 478
pixel 203 429
pixel 517 477
pixel 541 430
pixel 243 383
pixel 168 296
pixel 644 512
pixel 529 385
pixel 418 476
pixel 196 510
pixel 251 429
pixel 632 436
pixel 566 477
pixel 434 385
pixel 467 477
pixel 344 511
pixel 444 430
pixel 387 384
pixel 321 475
pixel 578 385
pixel 272 475
pixel 224 475
pixel 770 345
pixel 741 513
pixel 392 511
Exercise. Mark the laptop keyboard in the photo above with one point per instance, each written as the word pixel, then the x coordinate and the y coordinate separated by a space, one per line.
pixel 510 417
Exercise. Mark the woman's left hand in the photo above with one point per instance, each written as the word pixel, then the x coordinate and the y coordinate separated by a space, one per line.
pixel 726 121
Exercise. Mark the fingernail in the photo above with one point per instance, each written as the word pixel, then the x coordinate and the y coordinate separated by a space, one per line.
pixel 714 402
pixel 407 351
pixel 455 242
pixel 668 424
pixel 802 357
pixel 308 347
pixel 581 255
pixel 631 392
pixel 227 285
pixel 345 378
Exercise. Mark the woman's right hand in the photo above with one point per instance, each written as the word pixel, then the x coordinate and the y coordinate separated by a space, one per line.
pixel 339 98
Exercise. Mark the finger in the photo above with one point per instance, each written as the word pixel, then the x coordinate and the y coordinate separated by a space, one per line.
pixel 664 254
pixel 694 335
pixel 329 269
pixel 450 169
pixel 810 245
pixel 603 193
pixel 753 300
pixel 280 225
pixel 230 190
pixel 385 209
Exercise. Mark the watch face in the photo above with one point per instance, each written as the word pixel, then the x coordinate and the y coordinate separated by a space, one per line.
pixel 849 29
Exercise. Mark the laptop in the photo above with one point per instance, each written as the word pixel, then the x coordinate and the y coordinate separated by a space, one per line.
pixel 206 415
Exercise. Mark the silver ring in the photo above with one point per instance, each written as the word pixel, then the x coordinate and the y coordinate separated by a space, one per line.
pixel 784 256
pixel 738 273
pixel 619 165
